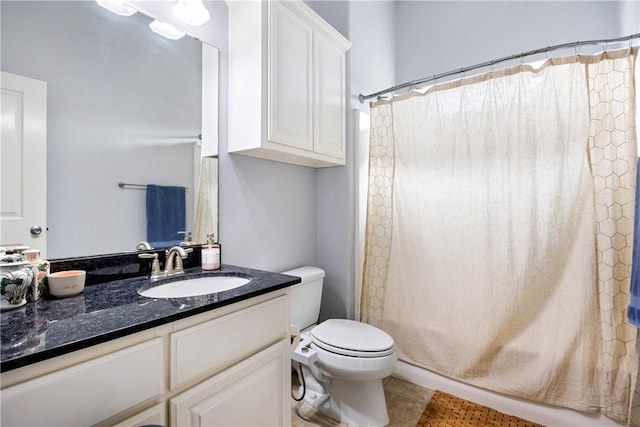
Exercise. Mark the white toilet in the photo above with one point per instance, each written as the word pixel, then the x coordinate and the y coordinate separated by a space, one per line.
pixel 342 361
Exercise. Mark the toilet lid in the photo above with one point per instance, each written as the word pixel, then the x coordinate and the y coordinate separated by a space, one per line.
pixel 351 338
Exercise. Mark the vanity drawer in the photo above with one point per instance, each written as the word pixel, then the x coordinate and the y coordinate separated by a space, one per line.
pixel 216 344
pixel 89 392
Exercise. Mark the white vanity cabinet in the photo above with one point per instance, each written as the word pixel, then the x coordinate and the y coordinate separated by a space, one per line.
pixel 228 366
pixel 287 96
pixel 254 391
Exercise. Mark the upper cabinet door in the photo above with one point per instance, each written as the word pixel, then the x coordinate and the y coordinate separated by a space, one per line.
pixel 290 79
pixel 287 98
pixel 329 97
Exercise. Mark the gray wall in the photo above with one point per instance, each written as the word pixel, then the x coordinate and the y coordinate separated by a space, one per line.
pixel 630 17
pixel 439 36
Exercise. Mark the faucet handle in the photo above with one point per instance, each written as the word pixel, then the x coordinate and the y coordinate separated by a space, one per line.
pixel 155 265
pixel 178 267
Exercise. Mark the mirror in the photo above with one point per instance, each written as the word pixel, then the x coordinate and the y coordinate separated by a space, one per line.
pixel 123 105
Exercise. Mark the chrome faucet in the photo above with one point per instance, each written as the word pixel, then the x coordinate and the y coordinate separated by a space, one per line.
pixel 173 265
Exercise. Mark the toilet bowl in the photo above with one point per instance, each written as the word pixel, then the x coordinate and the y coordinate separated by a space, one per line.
pixel 342 362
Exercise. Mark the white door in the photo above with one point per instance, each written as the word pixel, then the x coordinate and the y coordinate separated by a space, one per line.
pixel 23 162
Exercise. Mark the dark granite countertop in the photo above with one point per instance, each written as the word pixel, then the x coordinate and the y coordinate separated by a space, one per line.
pixel 105 311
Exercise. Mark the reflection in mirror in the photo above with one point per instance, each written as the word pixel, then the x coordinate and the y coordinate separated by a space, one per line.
pixel 123 105
pixel 207 200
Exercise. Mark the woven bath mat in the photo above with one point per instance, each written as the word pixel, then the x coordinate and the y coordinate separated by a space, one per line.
pixel 445 410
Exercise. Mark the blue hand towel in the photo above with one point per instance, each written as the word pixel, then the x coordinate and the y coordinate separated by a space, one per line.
pixel 633 312
pixel 165 215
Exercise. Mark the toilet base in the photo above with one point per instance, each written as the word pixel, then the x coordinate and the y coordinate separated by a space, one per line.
pixel 355 402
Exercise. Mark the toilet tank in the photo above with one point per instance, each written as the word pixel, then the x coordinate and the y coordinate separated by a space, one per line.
pixel 306 296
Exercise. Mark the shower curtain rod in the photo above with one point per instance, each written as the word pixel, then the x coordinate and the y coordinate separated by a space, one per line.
pixel 496 61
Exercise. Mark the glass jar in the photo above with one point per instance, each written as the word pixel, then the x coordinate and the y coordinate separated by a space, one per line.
pixel 16 276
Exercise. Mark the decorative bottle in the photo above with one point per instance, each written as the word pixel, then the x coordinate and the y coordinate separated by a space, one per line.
pixel 211 254
pixel 40 268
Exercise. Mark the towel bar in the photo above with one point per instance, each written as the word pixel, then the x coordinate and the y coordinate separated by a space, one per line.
pixel 125 185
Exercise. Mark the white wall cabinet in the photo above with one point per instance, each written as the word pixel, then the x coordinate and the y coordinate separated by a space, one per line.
pixel 287 96
pixel 209 367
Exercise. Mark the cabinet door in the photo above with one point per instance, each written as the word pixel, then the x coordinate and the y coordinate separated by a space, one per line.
pixel 254 392
pixel 290 115
pixel 89 392
pixel 329 89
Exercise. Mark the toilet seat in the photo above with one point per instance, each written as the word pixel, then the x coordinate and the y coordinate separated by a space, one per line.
pixel 351 338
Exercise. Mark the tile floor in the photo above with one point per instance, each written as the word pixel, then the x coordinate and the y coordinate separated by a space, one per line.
pixel 405 403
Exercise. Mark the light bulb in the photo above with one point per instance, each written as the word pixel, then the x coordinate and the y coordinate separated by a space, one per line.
pixel 165 30
pixel 192 12
pixel 117 6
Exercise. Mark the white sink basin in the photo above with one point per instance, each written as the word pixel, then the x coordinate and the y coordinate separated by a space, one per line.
pixel 194 287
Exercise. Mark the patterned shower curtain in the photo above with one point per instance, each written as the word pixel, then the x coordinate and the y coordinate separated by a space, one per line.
pixel 500 227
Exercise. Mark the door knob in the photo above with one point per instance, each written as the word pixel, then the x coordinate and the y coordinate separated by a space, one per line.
pixel 35 230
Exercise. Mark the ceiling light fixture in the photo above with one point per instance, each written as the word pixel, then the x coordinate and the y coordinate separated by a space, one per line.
pixel 117 6
pixel 165 30
pixel 192 12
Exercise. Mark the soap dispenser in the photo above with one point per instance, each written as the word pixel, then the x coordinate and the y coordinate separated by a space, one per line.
pixel 211 254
